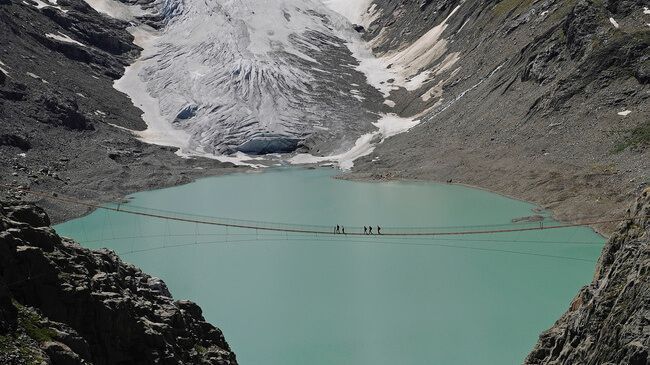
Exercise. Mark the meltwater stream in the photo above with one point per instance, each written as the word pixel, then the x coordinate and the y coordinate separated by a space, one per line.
pixel 323 300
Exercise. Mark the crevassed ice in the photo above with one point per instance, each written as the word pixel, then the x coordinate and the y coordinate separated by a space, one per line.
pixel 250 76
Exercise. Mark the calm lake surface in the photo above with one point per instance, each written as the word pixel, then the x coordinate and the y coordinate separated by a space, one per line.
pixel 297 299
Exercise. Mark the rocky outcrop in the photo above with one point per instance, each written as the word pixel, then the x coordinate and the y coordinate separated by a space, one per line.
pixel 64 304
pixel 607 322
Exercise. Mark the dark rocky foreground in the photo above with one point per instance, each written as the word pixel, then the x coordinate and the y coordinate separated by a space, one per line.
pixel 64 304
pixel 608 321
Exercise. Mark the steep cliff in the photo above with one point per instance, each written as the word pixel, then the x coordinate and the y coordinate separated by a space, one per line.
pixel 607 322
pixel 64 304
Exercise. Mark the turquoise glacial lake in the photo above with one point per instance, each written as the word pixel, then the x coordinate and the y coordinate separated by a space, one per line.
pixel 308 299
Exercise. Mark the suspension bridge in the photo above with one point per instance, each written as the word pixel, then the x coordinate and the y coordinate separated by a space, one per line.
pixel 270 232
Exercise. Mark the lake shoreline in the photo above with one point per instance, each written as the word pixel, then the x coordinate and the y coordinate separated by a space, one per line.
pixel 122 194
pixel 566 215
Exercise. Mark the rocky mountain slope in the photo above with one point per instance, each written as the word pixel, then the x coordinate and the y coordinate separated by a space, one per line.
pixel 61 120
pixel 64 304
pixel 607 322
pixel 544 100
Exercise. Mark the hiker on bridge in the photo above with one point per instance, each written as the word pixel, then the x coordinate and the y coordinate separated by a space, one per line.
pixel 370 230
pixel 365 230
pixel 338 229
pixel 378 230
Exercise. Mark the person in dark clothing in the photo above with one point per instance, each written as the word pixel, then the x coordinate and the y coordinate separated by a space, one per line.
pixel 365 230
pixel 370 230
pixel 378 230
pixel 343 229
pixel 338 229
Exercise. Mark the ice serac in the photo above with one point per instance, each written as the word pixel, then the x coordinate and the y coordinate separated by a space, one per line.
pixel 255 77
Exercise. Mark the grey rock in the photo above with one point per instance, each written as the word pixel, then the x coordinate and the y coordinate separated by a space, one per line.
pixel 94 308
pixel 61 354
pixel 607 321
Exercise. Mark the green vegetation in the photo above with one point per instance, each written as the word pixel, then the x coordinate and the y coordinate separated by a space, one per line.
pixel 22 347
pixel 23 342
pixel 562 12
pixel 31 322
pixel 505 7
pixel 601 169
pixel 200 349
pixel 639 136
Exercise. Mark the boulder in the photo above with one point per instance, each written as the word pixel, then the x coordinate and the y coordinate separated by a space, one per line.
pixel 61 354
pixel 34 216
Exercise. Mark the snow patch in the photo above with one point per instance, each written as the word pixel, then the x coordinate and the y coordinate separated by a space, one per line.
pixel 405 67
pixel 390 103
pixel 646 11
pixel 41 4
pixel 159 131
pixel 424 51
pixel 35 76
pixel 239 158
pixel 624 113
pixel 614 22
pixel 464 24
pixel 3 69
pixel 356 94
pixel 122 128
pixel 64 38
pixel 117 9
pixel 388 125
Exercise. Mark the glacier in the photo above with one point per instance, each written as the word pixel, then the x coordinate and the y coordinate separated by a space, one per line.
pixel 258 77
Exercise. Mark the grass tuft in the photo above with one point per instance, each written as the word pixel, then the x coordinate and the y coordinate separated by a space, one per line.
pixel 636 137
pixel 505 7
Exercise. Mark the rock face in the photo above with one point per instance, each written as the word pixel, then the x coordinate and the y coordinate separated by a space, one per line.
pixel 64 304
pixel 607 322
